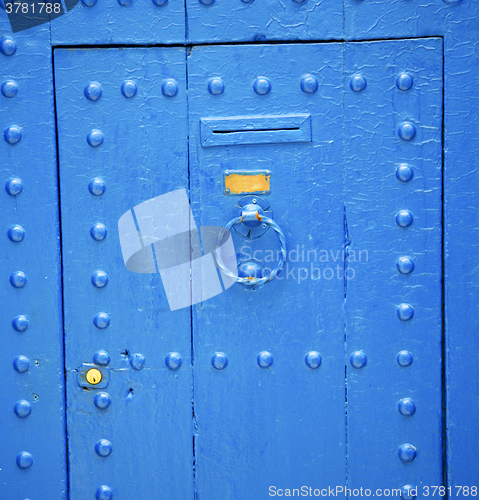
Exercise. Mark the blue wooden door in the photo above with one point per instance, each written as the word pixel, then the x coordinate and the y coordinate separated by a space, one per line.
pixel 321 377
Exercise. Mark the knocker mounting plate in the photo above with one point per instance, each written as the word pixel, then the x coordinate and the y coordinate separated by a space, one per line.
pixel 252 229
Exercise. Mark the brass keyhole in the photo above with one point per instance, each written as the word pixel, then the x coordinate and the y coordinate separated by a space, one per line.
pixel 93 376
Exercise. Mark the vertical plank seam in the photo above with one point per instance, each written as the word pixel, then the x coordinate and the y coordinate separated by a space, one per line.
pixel 443 287
pixel 346 244
pixel 192 353
pixel 60 242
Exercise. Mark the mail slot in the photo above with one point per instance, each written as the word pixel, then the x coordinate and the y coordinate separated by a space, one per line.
pixel 235 131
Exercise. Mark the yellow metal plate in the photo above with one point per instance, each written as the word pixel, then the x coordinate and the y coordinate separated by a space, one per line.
pixel 247 182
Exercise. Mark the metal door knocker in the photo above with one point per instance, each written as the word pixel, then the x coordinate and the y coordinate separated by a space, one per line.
pixel 252 222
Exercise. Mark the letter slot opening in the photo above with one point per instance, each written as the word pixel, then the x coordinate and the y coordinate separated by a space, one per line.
pixel 240 130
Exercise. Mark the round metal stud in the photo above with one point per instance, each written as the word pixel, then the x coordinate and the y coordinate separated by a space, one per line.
pixel 18 279
pixel 300 1
pixel 358 359
pixel 404 173
pixel 173 360
pixel 160 3
pixel 408 492
pixel 98 232
pixel 406 407
pixel 262 85
pixel 102 400
pixel 169 88
pixel 22 408
pixel 20 323
pixel 313 359
pixel 407 453
pixel 14 186
pixel 88 3
pixel 92 91
pixel 405 265
pixel 137 361
pixel 101 358
pixel 404 358
pixel 264 359
pixel 8 46
pixel 247 1
pixel 99 279
pixel 16 233
pixel 405 312
pixel 103 447
pixel 206 2
pixel 24 460
pixel 216 86
pixel 21 364
pixel 12 134
pixel 101 320
pixel 219 360
pixel 96 186
pixel 309 84
pixel 95 138
pixel 404 81
pixel 9 88
pixel 404 218
pixel 124 3
pixel 128 87
pixel 358 83
pixel 104 493
pixel 407 131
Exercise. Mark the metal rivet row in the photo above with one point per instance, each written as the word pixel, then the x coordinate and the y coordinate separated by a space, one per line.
pixel 169 88
pixel 93 90
pixel 358 82
pixel 123 3
pixel 211 2
pixel 262 85
pixel 405 266
pixel 265 359
pixel 219 360
pixel 16 234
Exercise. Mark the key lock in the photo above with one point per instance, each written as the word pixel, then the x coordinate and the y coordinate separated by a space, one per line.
pixel 253 219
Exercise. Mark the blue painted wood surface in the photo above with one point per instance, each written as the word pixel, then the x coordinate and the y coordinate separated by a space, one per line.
pixel 149 420
pixel 132 22
pixel 284 426
pixel 374 153
pixel 456 22
pixel 255 21
pixel 461 197
pixel 31 316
